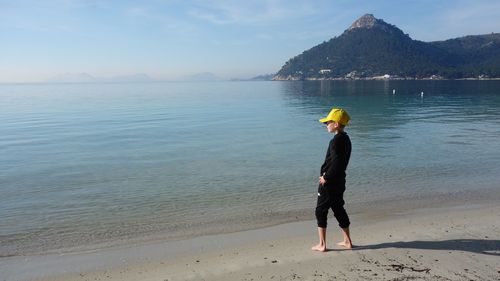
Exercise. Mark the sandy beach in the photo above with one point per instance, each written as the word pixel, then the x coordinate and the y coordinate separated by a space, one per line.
pixel 460 240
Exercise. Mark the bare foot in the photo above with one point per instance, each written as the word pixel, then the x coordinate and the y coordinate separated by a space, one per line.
pixel 319 248
pixel 344 244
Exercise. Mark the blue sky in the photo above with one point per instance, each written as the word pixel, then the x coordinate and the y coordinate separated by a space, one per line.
pixel 169 39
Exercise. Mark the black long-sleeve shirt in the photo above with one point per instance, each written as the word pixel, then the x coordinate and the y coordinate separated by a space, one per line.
pixel 337 159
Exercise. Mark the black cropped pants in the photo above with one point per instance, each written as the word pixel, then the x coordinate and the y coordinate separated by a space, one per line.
pixel 331 197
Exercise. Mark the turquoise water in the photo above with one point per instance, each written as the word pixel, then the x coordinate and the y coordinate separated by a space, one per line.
pixel 83 164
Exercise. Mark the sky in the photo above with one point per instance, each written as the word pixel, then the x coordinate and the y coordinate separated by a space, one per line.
pixel 170 39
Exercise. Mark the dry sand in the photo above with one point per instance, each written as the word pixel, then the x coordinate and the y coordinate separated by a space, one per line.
pixel 447 243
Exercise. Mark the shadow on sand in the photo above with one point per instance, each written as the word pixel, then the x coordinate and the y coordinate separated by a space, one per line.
pixel 479 246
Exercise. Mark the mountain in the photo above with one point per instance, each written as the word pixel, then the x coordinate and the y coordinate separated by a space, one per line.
pixel 87 78
pixel 140 77
pixel 263 77
pixel 203 76
pixel 72 78
pixel 371 48
pixel 480 53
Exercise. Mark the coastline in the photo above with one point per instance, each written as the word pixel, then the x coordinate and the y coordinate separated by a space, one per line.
pixel 220 225
pixel 394 239
pixel 382 79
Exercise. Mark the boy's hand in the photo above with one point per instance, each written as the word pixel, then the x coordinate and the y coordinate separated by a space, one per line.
pixel 322 180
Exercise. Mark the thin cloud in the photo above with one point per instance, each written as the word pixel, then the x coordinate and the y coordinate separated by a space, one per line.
pixel 168 23
pixel 250 12
pixel 472 11
pixel 470 18
pixel 264 36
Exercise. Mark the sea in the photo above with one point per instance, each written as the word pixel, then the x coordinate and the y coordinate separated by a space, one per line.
pixel 89 166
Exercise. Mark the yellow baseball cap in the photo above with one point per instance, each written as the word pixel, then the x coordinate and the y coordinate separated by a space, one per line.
pixel 337 115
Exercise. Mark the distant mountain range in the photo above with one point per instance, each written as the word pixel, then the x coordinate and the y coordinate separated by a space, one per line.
pixel 141 77
pixel 202 76
pixel 87 78
pixel 373 49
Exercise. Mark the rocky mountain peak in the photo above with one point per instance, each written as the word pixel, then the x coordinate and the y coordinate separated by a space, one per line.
pixel 369 22
pixel 366 21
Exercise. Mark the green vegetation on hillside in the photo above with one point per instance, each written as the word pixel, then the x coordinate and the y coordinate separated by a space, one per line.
pixel 372 48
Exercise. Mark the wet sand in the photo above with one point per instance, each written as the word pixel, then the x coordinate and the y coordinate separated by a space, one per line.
pixel 456 241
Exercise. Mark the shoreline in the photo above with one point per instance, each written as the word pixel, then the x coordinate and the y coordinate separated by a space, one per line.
pixel 256 80
pixel 375 207
pixel 384 79
pixel 170 258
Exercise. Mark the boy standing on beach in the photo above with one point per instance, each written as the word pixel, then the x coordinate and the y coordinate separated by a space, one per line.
pixel 332 179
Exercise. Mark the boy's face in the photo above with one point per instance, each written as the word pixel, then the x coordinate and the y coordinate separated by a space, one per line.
pixel 331 126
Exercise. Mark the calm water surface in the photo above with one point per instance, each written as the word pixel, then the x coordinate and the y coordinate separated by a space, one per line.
pixel 83 164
